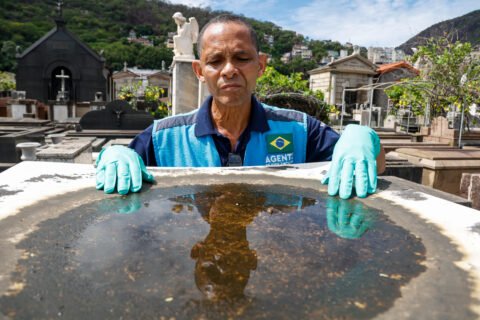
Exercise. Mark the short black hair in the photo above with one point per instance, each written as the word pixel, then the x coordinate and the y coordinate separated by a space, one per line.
pixel 227 18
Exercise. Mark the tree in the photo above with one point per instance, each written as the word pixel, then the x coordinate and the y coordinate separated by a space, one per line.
pixel 7 56
pixel 291 92
pixel 6 82
pixel 449 77
pixel 152 57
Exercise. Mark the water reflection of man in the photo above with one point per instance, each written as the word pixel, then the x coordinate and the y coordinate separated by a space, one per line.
pixel 224 258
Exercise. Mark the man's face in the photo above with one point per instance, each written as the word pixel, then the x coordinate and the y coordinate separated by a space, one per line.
pixel 229 64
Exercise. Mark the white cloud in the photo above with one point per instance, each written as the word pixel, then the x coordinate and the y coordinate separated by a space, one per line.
pixel 362 22
pixel 237 6
pixel 374 22
pixel 193 3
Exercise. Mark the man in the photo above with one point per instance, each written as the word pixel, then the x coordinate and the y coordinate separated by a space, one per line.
pixel 232 128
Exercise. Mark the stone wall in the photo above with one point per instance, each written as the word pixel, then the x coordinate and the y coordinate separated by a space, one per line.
pixel 354 81
pixel 470 188
pixel 321 81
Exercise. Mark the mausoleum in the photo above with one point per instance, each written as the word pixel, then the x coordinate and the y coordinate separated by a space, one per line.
pixel 60 61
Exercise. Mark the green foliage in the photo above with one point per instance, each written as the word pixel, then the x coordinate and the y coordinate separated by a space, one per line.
pixel 291 92
pixel 442 65
pixel 150 100
pixel 7 56
pixel 152 57
pixel 272 82
pixel 130 94
pixel 162 110
pixel 105 25
pixel 6 82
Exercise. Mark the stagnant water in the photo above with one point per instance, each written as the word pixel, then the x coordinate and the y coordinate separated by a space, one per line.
pixel 208 252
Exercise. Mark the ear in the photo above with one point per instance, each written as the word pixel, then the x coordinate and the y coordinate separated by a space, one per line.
pixel 197 69
pixel 262 60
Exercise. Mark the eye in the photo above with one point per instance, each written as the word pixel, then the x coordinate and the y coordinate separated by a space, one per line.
pixel 243 59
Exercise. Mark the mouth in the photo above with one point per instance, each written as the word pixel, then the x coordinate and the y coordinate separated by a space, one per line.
pixel 230 86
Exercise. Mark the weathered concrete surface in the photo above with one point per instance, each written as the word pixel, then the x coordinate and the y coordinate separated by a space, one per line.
pixel 36 224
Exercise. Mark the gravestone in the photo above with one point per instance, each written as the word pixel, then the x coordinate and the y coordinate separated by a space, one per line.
pixel 443 168
pixel 390 122
pixel 18 109
pixel 361 116
pixel 71 149
pixel 117 115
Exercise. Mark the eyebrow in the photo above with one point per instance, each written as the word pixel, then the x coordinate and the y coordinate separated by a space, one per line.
pixel 220 53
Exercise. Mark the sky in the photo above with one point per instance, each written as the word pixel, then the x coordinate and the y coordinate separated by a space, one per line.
pixel 383 23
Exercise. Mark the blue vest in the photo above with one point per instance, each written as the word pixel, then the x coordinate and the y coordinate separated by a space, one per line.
pixel 176 145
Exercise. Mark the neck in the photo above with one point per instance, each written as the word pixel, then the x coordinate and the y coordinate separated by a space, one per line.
pixel 231 121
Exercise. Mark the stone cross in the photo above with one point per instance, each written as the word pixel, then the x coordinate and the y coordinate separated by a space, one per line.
pixel 59 8
pixel 62 76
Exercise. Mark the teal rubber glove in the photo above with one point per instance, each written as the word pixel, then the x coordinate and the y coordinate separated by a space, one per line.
pixel 123 168
pixel 354 155
pixel 346 219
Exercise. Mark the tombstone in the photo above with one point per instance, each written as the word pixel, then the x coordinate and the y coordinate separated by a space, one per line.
pixel 98 103
pixel 390 122
pixel 70 149
pixel 19 95
pixel 443 168
pixel 18 109
pixel 117 115
pixel 361 116
pixel 60 107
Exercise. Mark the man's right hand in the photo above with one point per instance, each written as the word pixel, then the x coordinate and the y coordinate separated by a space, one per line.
pixel 122 169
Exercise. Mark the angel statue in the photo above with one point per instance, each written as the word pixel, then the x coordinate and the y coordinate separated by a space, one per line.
pixel 187 34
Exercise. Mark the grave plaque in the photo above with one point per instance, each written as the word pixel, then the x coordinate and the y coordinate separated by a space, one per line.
pixel 117 115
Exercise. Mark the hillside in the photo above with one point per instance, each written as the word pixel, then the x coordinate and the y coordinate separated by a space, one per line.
pixel 105 25
pixel 465 28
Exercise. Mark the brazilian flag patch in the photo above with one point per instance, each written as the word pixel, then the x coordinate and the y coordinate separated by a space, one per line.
pixel 280 143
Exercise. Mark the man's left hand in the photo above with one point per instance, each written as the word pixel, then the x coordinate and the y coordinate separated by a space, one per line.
pixel 354 155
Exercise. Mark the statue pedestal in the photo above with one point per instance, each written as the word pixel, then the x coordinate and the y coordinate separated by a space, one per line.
pixel 184 86
pixel 203 92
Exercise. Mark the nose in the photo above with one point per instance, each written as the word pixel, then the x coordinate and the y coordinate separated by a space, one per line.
pixel 229 70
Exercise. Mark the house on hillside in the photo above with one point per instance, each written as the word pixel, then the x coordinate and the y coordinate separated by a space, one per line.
pixel 298 50
pixel 349 72
pixel 381 55
pixel 143 40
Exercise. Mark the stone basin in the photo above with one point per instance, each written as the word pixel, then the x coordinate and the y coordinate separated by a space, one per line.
pixel 216 243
